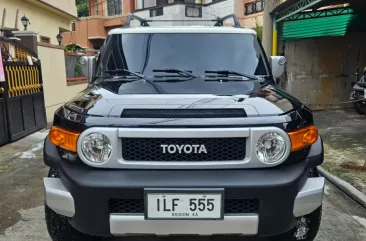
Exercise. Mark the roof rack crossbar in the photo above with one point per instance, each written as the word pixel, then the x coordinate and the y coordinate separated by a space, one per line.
pixel 177 20
pixel 131 17
pixel 219 21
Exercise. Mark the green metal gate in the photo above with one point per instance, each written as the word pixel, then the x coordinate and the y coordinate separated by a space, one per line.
pixel 331 22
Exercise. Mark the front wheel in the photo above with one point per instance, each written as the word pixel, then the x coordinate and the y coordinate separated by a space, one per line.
pixel 60 229
pixel 58 226
pixel 360 108
pixel 306 229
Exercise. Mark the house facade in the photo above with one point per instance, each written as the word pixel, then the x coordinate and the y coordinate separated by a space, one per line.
pixel 104 15
pixel 249 12
pixel 47 18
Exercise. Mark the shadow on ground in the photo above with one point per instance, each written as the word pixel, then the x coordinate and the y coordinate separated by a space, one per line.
pixel 21 172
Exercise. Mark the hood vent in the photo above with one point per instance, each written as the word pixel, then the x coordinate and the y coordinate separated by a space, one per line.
pixel 183 113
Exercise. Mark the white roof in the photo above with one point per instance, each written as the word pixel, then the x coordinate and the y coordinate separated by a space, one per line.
pixel 182 29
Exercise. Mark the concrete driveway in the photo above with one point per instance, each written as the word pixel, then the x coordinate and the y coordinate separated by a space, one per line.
pixel 21 202
pixel 344 136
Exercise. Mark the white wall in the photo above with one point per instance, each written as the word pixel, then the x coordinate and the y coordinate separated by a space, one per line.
pixel 56 91
pixel 139 4
pixel 220 9
pixel 149 3
pixel 68 6
pixel 42 21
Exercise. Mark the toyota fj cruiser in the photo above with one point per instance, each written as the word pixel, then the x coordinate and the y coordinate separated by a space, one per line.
pixel 183 131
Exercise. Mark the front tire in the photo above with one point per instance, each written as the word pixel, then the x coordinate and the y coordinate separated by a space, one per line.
pixel 58 226
pixel 60 229
pixel 359 108
pixel 306 229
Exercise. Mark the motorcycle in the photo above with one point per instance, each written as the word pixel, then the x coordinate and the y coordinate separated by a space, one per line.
pixel 358 95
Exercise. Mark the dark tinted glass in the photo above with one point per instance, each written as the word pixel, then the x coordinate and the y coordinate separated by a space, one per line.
pixel 195 52
pixel 186 51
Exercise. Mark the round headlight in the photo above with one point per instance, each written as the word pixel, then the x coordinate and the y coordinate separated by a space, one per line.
pixel 270 148
pixel 96 148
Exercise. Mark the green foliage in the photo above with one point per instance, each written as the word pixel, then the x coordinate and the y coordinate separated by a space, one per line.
pixel 83 8
pixel 258 28
pixel 78 70
pixel 75 49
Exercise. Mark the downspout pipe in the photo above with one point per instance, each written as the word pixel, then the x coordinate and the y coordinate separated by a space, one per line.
pixel 274 37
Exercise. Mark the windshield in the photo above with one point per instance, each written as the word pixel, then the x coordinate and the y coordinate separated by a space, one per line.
pixel 196 53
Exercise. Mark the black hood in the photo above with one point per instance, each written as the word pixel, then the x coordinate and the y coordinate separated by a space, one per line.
pixel 101 107
pixel 98 101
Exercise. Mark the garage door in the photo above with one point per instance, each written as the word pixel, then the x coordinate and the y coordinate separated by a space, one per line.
pixel 317 24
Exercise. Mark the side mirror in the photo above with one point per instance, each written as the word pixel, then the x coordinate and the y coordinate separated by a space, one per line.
pixel 277 64
pixel 88 64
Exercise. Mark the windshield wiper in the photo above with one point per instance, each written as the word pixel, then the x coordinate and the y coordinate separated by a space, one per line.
pixel 226 79
pixel 230 72
pixel 173 80
pixel 157 88
pixel 126 71
pixel 178 71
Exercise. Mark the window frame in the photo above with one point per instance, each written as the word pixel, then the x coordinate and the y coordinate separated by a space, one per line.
pixel 192 7
pixel 44 39
pixel 159 12
pixel 185 1
pixel 166 2
pixel 114 10
pixel 253 5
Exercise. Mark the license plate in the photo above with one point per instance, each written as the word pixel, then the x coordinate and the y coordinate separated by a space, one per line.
pixel 191 205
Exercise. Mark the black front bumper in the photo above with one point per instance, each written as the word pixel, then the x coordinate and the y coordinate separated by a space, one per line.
pixel 275 188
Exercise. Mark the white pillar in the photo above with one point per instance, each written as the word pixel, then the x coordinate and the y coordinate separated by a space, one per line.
pixel 267 38
pixel 139 4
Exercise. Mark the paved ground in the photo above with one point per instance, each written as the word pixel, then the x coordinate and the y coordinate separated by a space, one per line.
pixel 21 200
pixel 344 136
pixel 21 169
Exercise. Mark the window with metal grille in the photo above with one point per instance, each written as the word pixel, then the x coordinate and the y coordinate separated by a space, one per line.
pixel 185 1
pixel 114 7
pixel 161 2
pixel 150 3
pixel 45 39
pixel 254 7
pixel 194 11
pixel 156 12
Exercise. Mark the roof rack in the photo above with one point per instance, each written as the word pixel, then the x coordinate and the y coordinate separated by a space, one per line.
pixel 220 21
pixel 144 22
pixel 131 17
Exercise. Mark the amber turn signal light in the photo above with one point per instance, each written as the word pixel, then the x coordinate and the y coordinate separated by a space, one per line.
pixel 303 137
pixel 63 138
